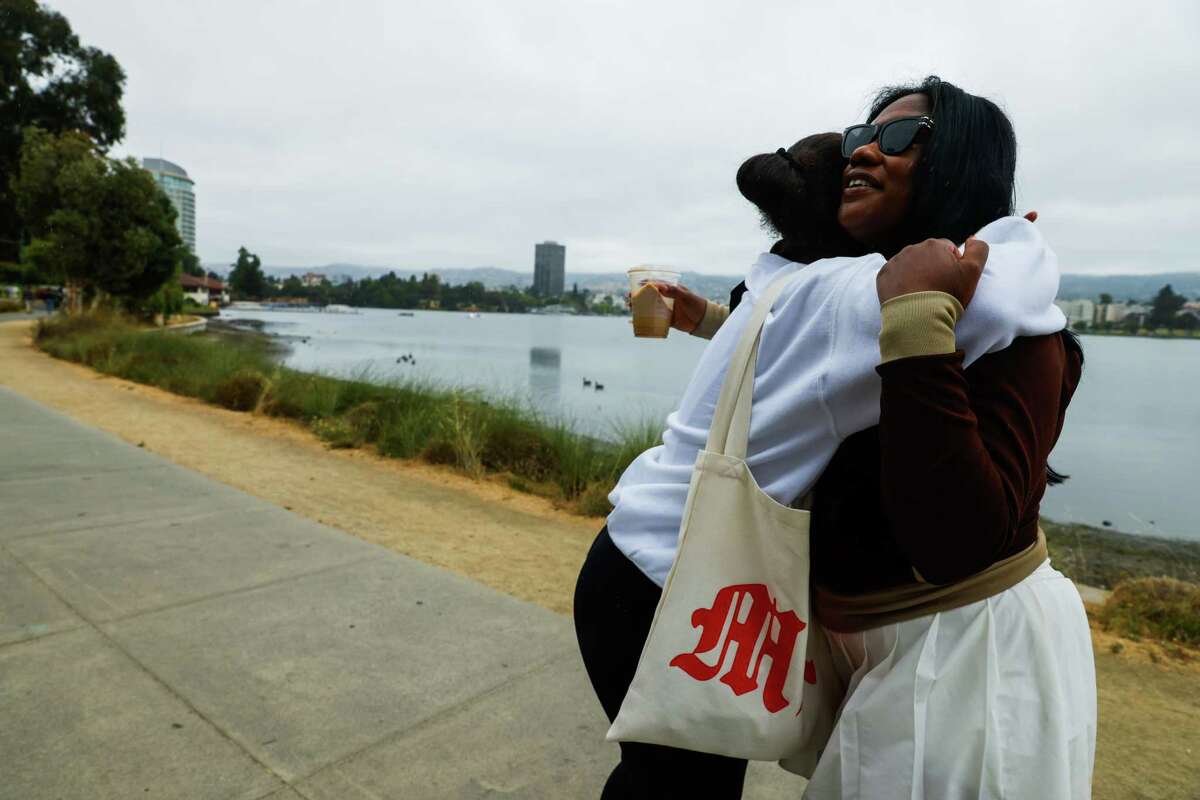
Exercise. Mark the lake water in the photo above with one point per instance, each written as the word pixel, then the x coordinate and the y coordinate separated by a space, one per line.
pixel 1131 441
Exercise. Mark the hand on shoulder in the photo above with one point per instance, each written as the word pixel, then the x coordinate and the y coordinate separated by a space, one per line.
pixel 934 265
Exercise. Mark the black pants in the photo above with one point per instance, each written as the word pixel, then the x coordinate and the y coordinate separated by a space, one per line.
pixel 614 606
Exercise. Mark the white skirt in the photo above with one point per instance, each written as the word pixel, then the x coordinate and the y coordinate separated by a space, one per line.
pixel 996 699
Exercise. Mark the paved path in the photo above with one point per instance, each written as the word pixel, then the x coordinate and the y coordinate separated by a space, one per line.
pixel 166 636
pixel 16 316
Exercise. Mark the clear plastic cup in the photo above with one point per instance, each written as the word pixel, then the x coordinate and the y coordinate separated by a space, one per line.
pixel 651 311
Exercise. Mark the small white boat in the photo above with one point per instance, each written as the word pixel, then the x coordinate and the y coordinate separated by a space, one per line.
pixel 474 315
pixel 338 308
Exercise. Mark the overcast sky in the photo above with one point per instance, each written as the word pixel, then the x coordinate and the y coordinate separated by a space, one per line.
pixel 457 133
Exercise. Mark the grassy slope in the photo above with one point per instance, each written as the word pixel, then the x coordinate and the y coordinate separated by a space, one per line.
pixel 403 419
pixel 1102 558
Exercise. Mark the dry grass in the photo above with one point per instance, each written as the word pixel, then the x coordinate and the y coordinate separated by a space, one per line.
pixel 1156 608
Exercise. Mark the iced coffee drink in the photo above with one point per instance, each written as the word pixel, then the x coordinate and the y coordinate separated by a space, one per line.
pixel 651 311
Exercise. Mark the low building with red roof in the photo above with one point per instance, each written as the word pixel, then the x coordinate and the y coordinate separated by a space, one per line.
pixel 204 291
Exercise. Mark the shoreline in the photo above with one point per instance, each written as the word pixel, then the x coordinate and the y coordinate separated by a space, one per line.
pixel 1139 334
pixel 251 329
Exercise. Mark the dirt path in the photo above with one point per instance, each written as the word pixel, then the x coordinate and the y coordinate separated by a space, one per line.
pixel 1148 744
pixel 511 541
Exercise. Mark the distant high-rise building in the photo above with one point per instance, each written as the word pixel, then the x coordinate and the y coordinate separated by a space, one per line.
pixel 178 186
pixel 549 268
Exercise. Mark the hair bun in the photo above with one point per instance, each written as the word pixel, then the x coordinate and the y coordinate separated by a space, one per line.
pixel 768 181
pixel 798 191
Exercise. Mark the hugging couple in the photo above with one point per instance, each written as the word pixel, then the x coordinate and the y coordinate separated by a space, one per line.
pixel 911 380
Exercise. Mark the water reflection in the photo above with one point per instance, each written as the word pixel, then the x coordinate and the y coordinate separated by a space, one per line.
pixel 545 377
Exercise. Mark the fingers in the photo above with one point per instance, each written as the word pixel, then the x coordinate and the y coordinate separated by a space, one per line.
pixel 670 289
pixel 1032 216
pixel 975 254
pixel 945 244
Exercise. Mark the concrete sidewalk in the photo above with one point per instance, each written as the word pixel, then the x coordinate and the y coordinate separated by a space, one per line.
pixel 163 635
pixel 17 316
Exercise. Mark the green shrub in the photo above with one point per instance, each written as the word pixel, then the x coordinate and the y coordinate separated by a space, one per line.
pixel 365 420
pixel 1158 608
pixel 299 395
pixel 464 428
pixel 63 327
pixel 440 451
pixel 518 444
pixel 633 437
pixel 7 306
pixel 336 432
pixel 593 501
pixel 241 390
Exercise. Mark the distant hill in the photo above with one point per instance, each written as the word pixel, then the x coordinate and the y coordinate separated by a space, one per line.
pixel 1126 287
pixel 334 272
pixel 1121 287
pixel 714 286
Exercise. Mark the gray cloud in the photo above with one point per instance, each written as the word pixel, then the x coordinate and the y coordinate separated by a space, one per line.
pixel 458 133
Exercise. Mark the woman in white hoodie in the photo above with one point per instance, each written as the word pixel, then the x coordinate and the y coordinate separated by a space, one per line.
pixel 942 169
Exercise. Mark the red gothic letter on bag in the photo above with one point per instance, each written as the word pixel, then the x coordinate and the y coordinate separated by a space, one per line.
pixel 745 615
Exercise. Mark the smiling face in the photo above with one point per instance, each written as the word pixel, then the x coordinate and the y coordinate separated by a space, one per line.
pixel 873 209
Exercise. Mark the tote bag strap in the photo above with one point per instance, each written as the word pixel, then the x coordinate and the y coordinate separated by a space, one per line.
pixel 730 430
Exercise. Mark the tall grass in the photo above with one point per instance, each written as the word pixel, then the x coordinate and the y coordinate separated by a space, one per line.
pixel 478 434
pixel 1159 608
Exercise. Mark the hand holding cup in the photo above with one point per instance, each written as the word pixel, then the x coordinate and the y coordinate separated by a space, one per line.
pixel 652 311
pixel 689 307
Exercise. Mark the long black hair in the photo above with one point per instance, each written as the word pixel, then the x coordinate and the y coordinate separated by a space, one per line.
pixel 798 191
pixel 966 176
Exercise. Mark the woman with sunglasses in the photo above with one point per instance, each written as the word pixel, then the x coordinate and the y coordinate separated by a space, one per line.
pixel 933 468
pixel 992 694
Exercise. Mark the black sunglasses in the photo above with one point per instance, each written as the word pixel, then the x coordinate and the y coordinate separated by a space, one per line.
pixel 894 137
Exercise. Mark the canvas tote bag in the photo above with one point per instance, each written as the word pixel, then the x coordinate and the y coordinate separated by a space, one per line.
pixel 724 668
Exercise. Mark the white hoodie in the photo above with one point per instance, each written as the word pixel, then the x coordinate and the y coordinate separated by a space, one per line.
pixel 815 381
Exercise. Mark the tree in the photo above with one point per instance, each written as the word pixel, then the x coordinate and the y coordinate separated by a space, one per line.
pixel 1105 299
pixel 50 81
pixel 139 248
pixel 1165 308
pixel 247 278
pixel 292 287
pixel 190 264
pixel 97 224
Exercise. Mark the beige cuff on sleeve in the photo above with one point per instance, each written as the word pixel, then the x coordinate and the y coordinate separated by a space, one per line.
pixel 715 315
pixel 918 324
